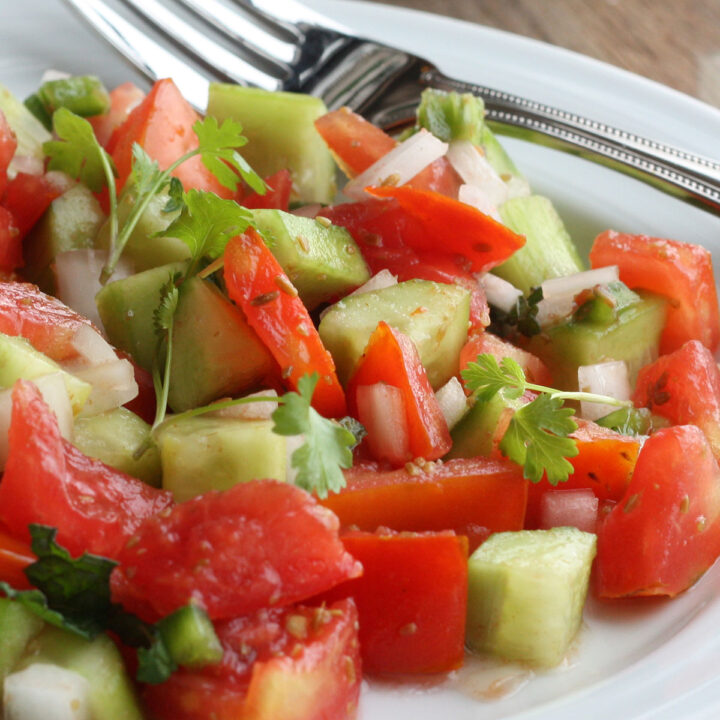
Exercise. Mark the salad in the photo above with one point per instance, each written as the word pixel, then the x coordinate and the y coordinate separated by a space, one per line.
pixel 252 444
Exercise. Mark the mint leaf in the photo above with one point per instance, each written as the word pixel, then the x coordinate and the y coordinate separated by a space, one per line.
pixel 78 153
pixel 327 447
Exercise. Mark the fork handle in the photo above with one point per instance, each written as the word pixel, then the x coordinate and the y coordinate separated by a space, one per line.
pixel 691 177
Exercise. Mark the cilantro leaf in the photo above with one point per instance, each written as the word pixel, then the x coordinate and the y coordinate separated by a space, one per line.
pixel 537 439
pixel 218 149
pixel 146 173
pixel 327 446
pixel 522 317
pixel 155 663
pixel 207 223
pixel 176 200
pixel 78 153
pixel 355 427
pixel 485 377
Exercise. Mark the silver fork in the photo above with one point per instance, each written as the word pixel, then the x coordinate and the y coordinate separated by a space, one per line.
pixel 296 49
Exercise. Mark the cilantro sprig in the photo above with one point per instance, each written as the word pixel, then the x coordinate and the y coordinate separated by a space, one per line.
pixel 538 434
pixel 74 594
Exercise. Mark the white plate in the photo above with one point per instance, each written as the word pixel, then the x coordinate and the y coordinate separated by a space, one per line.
pixel 657 659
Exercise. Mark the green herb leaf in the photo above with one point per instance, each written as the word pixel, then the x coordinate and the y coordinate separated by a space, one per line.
pixel 522 318
pixel 355 427
pixel 218 149
pixel 327 447
pixel 155 663
pixel 207 223
pixel 485 377
pixel 146 173
pixel 537 439
pixel 176 200
pixel 78 153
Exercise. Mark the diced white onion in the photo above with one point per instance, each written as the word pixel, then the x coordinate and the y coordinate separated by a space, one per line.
pixel 379 281
pixel 54 391
pixel 26 164
pixel 400 165
pixel 381 409
pixel 559 293
pixel 569 508
pixel 51 74
pixel 453 401
pixel 92 347
pixel 252 411
pixel 517 187
pixel 77 277
pixel 499 292
pixel 475 196
pixel 46 692
pixel 59 181
pixel 113 384
pixel 474 169
pixel 292 443
pixel 310 210
pixel 607 378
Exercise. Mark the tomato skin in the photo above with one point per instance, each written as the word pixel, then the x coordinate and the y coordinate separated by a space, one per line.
pixel 472 496
pixel 604 464
pixel 123 100
pixel 10 242
pixel 8 146
pixel 391 358
pixel 680 271
pixel 270 671
pixel 162 125
pixel 454 226
pixel 48 481
pixel 15 556
pixel 27 197
pixel 684 387
pixel 481 342
pixel 279 187
pixel 259 286
pixel 411 599
pixel 288 545
pixel 665 532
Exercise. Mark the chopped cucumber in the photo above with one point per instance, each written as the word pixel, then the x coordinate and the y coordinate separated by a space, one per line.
pixel 29 131
pixel 84 95
pixel 18 626
pixel 190 637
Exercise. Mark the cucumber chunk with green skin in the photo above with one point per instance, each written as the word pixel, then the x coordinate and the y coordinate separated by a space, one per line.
pixel 85 95
pixel 19 359
pixel 208 453
pixel 281 134
pixel 434 315
pixel 526 592
pixel 496 155
pixel 634 336
pixel 37 107
pixel 29 131
pixel 18 626
pixel 548 251
pixel 190 637
pixel 71 222
pixel 112 695
pixel 476 433
pixel 146 247
pixel 113 437
pixel 322 261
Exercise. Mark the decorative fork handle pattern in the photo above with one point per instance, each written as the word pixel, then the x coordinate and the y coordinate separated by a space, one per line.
pixel 681 173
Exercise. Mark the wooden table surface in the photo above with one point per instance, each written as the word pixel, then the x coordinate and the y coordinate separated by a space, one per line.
pixel 676 42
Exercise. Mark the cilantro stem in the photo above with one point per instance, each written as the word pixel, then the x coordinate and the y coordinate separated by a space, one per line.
pixel 112 193
pixel 579 396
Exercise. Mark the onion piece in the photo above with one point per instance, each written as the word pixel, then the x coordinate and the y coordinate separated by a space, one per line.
pixel 310 210
pixel 453 402
pixel 474 169
pixel 569 508
pixel 51 74
pixel 113 384
pixel 499 292
pixel 476 197
pixel 606 378
pixel 54 391
pixel 92 348
pixel 252 411
pixel 77 278
pixel 381 409
pixel 559 293
pixel 379 281
pixel 400 165
pixel 26 164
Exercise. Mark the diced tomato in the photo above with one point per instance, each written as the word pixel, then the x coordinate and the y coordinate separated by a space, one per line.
pixel 44 321
pixel 145 402
pixel 665 533
pixel 257 283
pixel 49 481
pixel 296 663
pixel 162 125
pixel 11 256
pixel 454 226
pixel 480 343
pixel 15 556
pixel 684 387
pixel 472 496
pixel 27 197
pixel 680 271
pixel 279 187
pixel 391 358
pixel 123 100
pixel 604 464
pixel 8 145
pixel 411 600
pixel 259 544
